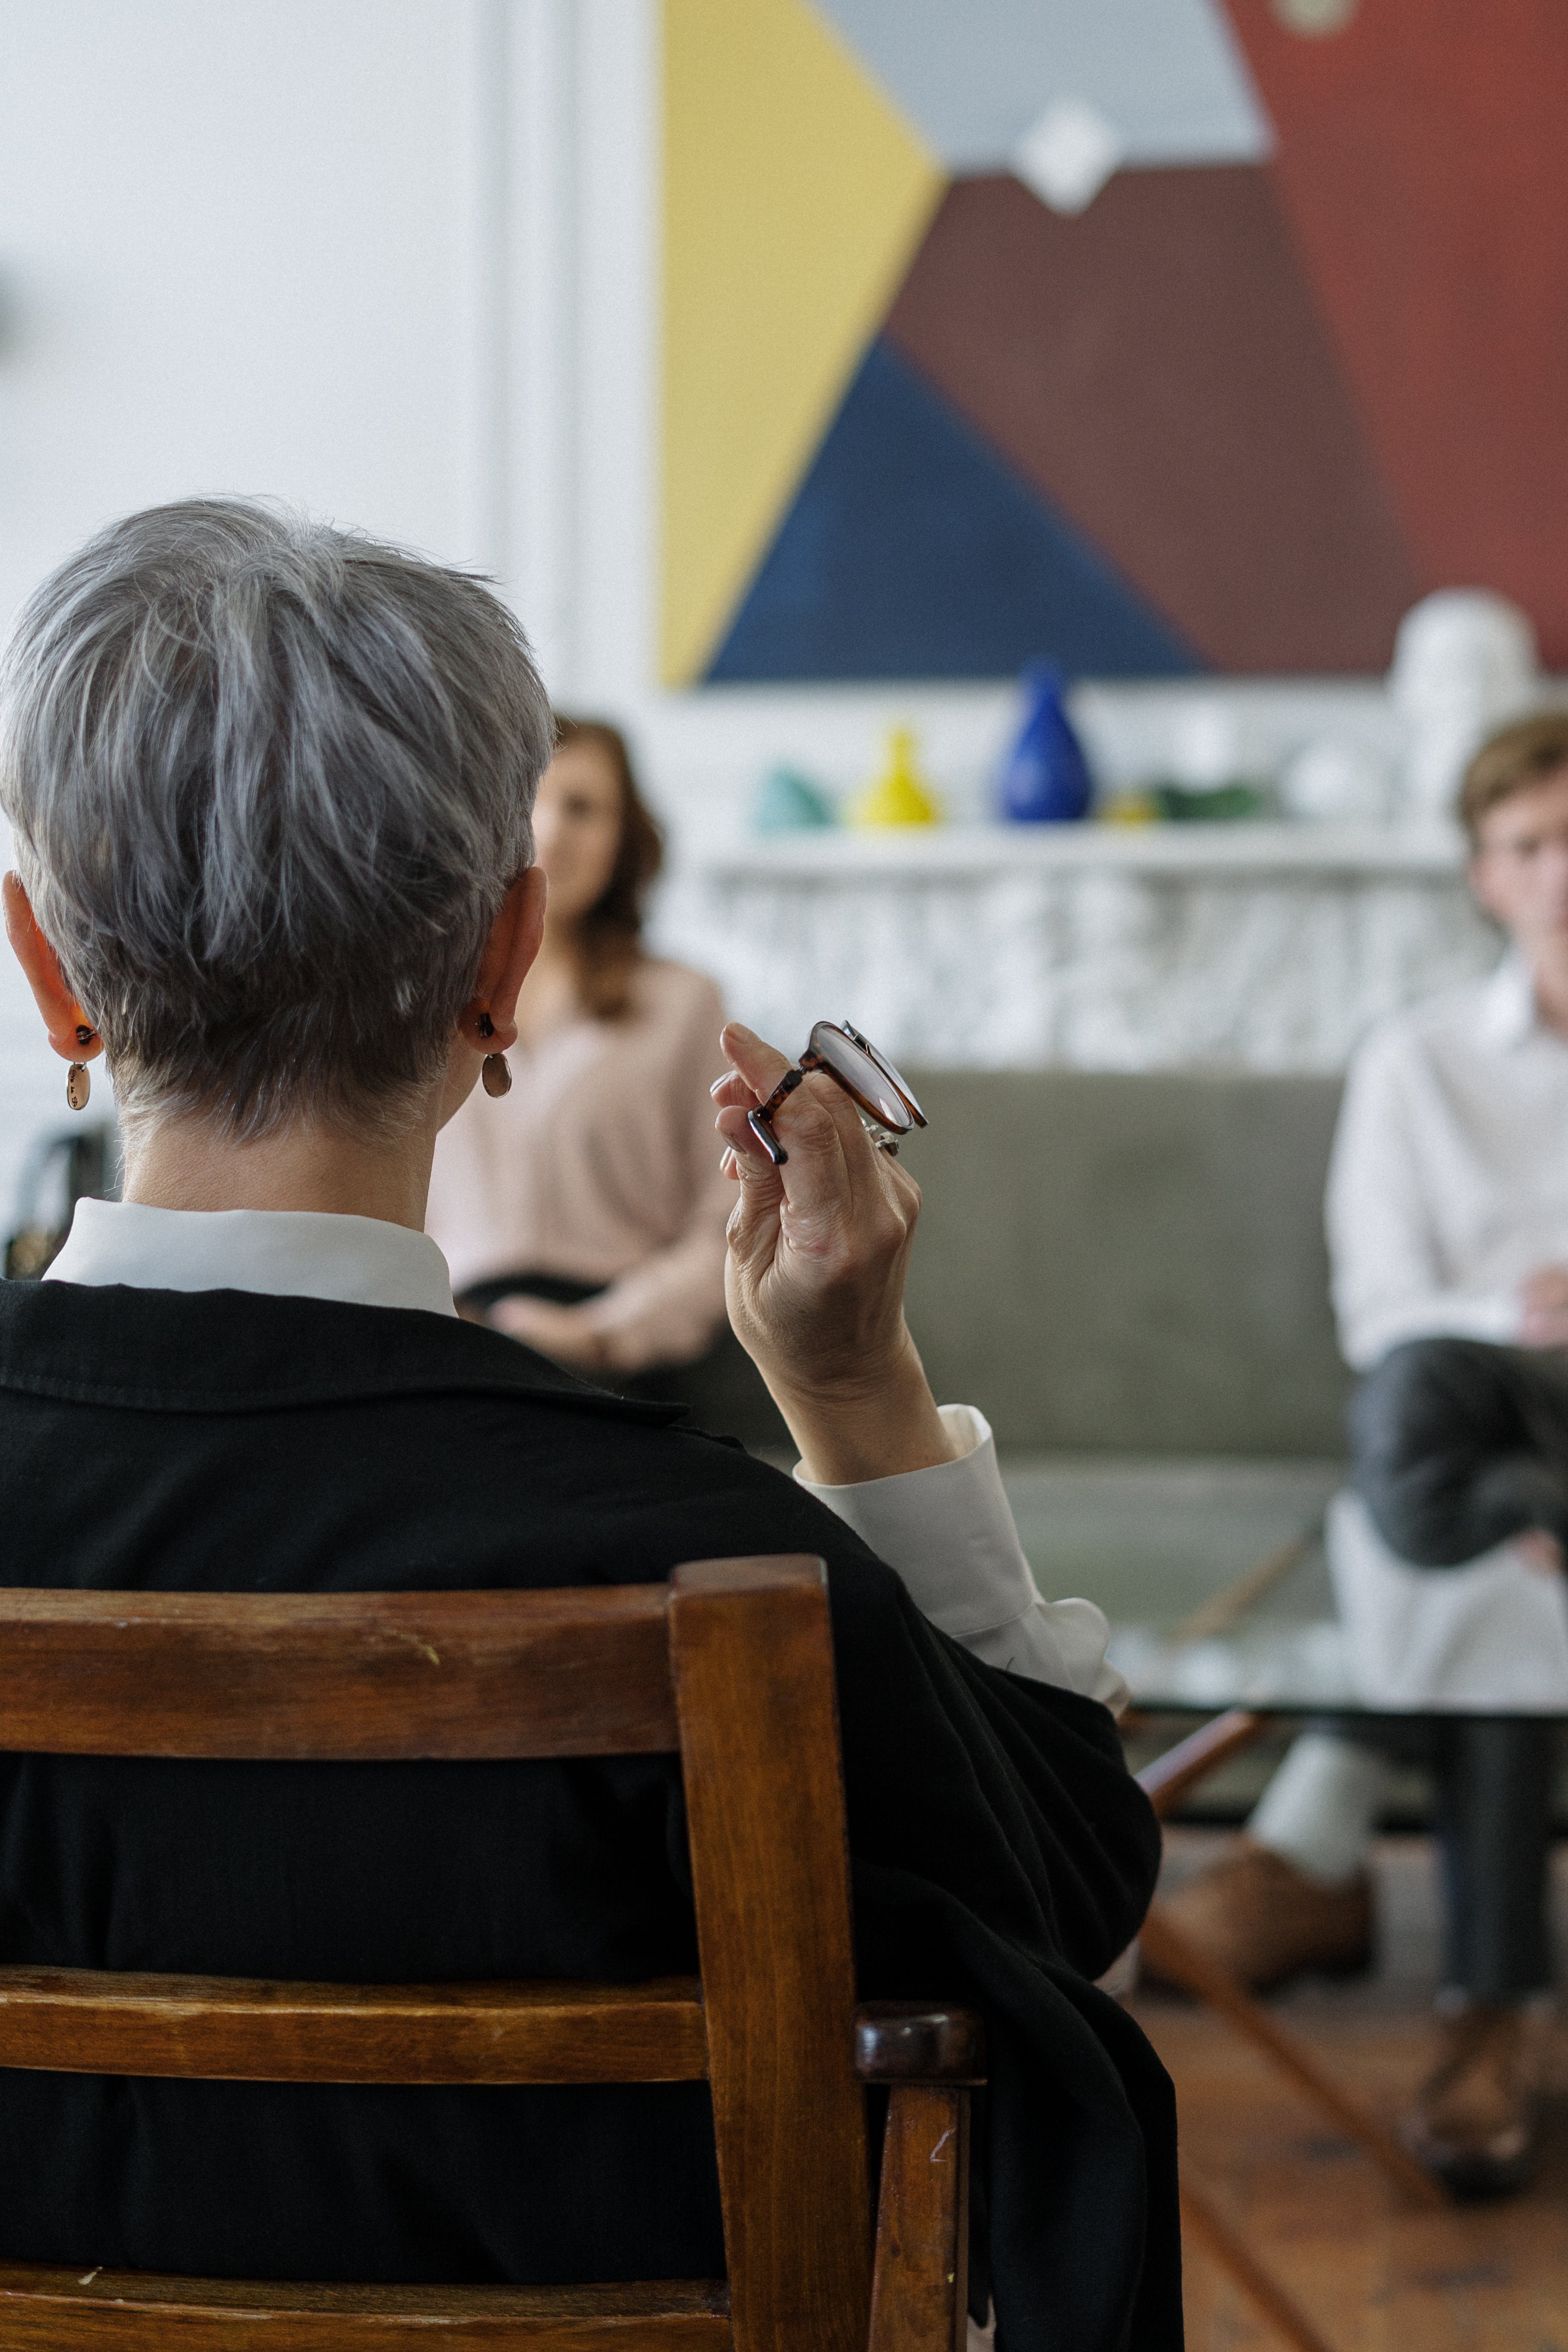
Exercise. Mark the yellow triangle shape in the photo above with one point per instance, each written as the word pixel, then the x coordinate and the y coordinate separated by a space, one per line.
pixel 796 194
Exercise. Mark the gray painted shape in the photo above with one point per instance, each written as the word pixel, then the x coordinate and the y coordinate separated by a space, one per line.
pixel 973 78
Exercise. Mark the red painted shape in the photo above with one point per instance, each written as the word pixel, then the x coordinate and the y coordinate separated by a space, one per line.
pixel 1157 368
pixel 1424 166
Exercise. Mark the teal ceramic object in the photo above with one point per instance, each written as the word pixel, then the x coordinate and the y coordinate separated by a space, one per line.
pixel 788 802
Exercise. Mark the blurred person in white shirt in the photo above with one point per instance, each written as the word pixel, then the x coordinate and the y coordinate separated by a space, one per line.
pixel 1447 1222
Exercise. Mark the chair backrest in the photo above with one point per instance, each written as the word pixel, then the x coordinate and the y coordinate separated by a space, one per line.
pixel 730 1663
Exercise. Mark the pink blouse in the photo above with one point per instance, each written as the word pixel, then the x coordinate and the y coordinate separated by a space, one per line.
pixel 601 1164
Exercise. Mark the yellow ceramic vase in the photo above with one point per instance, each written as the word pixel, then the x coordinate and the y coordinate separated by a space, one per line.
pixel 899 796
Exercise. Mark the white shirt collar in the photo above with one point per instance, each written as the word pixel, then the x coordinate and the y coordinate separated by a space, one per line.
pixel 286 1252
pixel 1507 1014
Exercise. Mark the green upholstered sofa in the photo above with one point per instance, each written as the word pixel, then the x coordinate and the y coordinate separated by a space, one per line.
pixel 1131 1263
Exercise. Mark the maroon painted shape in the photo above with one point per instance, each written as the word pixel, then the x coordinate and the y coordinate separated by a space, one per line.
pixel 1422 165
pixel 1157 368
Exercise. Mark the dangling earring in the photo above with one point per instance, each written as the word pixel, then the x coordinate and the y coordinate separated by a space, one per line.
pixel 497 1072
pixel 79 1084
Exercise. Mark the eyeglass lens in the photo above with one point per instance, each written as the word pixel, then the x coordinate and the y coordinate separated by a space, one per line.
pixel 858 1039
pixel 868 1082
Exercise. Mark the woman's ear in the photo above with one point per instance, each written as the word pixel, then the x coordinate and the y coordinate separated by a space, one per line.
pixel 71 1033
pixel 507 960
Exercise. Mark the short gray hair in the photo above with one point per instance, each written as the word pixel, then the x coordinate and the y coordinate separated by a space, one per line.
pixel 269 781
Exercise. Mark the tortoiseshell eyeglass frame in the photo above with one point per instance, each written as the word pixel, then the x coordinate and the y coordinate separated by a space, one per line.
pixel 819 1054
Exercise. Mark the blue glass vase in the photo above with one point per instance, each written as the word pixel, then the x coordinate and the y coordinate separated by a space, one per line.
pixel 1044 778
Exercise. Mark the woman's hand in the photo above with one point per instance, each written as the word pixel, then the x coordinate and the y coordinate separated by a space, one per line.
pixel 815 1280
pixel 558 1332
pixel 1543 1303
pixel 1541 1550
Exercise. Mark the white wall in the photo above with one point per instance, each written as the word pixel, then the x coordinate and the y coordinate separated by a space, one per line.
pixel 231 244
pixel 244 245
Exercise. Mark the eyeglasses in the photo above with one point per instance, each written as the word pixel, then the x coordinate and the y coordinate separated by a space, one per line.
pixel 883 1101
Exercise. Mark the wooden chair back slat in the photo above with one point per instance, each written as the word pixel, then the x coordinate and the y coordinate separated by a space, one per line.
pixel 731 1664
pixel 92 2022
pixel 751 1651
pixel 44 2310
pixel 371 1677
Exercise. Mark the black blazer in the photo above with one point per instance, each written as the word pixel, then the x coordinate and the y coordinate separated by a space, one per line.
pixel 221 1441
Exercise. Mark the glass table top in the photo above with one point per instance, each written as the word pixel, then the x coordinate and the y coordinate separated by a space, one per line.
pixel 1212 1573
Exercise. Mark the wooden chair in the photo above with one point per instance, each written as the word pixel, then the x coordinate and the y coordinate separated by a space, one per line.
pixel 730 1663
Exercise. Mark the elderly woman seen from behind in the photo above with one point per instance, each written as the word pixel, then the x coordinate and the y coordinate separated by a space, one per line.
pixel 270 787
pixel 584 1211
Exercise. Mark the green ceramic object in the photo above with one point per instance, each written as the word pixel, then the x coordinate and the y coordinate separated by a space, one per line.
pixel 788 802
pixel 1225 804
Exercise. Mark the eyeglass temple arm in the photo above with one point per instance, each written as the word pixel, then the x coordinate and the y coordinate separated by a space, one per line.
pixel 760 1121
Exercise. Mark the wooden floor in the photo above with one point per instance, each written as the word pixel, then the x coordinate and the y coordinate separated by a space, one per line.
pixel 1372 2274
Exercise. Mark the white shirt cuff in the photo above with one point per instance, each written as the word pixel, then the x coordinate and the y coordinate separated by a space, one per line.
pixel 948 1531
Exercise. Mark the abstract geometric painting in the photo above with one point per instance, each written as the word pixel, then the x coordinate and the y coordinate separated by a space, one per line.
pixel 1154 336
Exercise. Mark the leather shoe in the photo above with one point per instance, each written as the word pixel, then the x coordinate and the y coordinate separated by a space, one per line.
pixel 1473 2121
pixel 1267 1921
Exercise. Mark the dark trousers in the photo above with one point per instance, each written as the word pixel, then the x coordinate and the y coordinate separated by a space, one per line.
pixel 723 1389
pixel 1457 1446
pixel 1492 1780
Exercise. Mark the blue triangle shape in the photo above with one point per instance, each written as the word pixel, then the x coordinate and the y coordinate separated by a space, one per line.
pixel 913 550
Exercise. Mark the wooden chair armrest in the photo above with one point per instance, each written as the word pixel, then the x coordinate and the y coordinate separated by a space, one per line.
pixel 918 2042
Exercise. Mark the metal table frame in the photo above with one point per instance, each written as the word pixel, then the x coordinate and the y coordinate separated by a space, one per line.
pixel 1166 1781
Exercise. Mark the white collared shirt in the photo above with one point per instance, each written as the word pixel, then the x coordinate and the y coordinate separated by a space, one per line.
pixel 1449 1179
pixel 284 1252
pixel 948 1531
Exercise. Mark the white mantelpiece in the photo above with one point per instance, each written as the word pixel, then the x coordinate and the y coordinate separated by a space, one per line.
pixel 1272 947
pixel 1245 847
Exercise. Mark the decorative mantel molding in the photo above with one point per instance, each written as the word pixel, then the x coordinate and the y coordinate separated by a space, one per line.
pixel 1271 947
